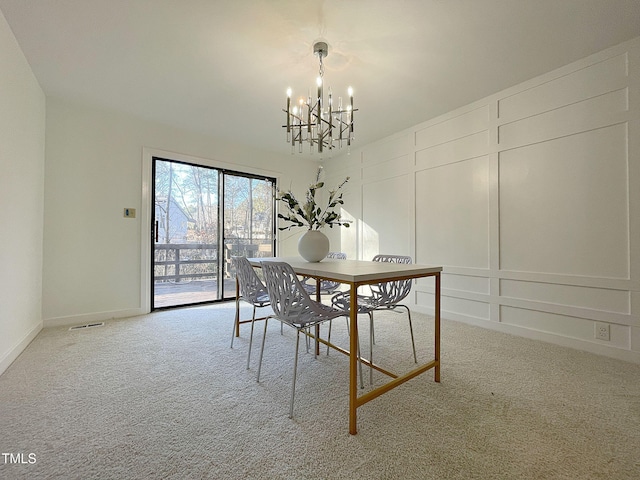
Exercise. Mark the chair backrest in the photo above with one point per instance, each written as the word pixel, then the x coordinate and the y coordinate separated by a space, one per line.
pixel 326 286
pixel 289 299
pixel 329 285
pixel 391 293
pixel 251 287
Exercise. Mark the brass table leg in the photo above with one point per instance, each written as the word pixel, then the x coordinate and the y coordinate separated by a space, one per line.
pixel 437 330
pixel 317 326
pixel 353 360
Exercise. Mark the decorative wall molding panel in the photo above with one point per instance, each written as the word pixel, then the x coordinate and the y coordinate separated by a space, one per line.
pixel 530 199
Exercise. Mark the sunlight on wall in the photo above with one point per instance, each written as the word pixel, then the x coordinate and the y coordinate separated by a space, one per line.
pixel 370 242
pixel 349 236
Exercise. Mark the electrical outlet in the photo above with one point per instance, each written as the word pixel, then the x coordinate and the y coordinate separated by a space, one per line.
pixel 602 331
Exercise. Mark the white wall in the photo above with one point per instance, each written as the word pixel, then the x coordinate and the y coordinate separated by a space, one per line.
pixel 94 169
pixel 530 199
pixel 22 134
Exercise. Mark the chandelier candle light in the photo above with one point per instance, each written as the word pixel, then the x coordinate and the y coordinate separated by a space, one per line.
pixel 316 122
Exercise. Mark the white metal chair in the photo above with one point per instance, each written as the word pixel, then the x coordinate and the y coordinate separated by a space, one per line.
pixel 383 296
pixel 327 287
pixel 292 305
pixel 252 291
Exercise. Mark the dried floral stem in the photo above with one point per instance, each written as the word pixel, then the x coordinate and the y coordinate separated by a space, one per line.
pixel 309 214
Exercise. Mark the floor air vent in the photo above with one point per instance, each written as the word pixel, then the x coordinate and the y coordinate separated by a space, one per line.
pixel 88 325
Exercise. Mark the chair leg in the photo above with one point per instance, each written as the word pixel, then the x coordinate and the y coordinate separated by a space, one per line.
pixel 371 347
pixel 307 336
pixel 359 355
pixel 253 321
pixel 413 343
pixel 236 324
pixel 348 331
pixel 373 333
pixel 233 333
pixel 266 320
pixel 295 371
pixel 236 321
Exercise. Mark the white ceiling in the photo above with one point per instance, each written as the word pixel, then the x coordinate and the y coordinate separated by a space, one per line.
pixel 223 67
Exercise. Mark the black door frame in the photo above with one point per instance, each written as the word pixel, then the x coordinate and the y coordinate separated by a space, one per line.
pixel 222 172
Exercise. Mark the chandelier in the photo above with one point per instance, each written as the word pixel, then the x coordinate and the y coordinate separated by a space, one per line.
pixel 323 125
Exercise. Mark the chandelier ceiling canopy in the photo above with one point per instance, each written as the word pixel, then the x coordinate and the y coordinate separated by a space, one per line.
pixel 324 125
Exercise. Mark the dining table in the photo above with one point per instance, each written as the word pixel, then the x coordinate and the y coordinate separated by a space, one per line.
pixel 356 273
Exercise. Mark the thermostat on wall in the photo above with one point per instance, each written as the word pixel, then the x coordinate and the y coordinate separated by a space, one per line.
pixel 130 213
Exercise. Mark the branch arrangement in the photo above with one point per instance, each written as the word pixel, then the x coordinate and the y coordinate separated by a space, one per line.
pixel 310 214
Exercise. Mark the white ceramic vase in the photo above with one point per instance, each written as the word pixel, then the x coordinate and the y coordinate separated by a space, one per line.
pixel 313 245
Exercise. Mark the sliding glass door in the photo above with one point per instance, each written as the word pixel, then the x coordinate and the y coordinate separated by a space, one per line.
pixel 202 217
pixel 248 220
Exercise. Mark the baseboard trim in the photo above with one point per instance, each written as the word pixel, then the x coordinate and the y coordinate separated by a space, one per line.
pixel 597 349
pixel 91 317
pixel 13 353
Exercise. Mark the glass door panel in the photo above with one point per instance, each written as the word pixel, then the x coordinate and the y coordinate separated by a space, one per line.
pixel 185 254
pixel 248 221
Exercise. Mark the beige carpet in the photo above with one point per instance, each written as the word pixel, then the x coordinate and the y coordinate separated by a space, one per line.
pixel 163 396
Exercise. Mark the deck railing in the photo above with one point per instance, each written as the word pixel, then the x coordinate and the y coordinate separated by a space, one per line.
pixel 176 262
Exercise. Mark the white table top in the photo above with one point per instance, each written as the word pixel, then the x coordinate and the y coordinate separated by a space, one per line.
pixel 353 271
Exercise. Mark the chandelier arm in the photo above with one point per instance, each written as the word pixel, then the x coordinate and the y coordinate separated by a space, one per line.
pixel 313 126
